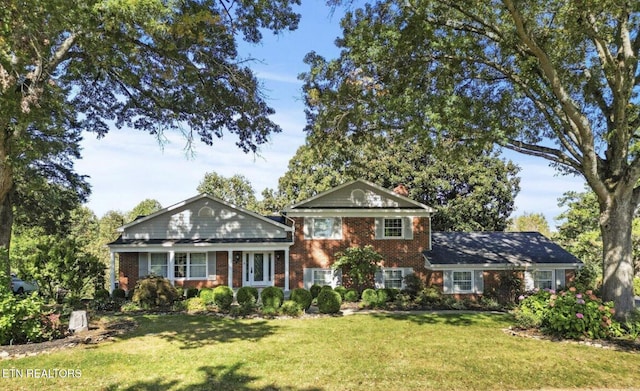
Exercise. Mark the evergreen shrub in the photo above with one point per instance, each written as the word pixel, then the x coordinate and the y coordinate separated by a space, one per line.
pixel 302 297
pixel 272 296
pixel 329 301
pixel 154 291
pixel 223 297
pixel 247 294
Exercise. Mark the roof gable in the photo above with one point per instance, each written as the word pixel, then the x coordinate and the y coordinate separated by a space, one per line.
pixel 495 248
pixel 359 194
pixel 204 217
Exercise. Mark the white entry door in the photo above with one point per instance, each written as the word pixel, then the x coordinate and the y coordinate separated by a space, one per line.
pixel 258 269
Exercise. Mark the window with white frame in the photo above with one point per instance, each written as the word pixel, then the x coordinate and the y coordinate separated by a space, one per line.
pixel 326 228
pixel 190 265
pixel 322 277
pixel 543 279
pixel 462 281
pixel 392 278
pixel 393 228
pixel 158 264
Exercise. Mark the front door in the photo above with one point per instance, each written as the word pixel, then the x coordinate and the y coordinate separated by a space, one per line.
pixel 258 269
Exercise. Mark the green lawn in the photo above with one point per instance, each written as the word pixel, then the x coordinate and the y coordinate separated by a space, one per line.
pixel 360 352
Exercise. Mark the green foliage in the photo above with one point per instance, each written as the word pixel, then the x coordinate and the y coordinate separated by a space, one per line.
pixel 587 278
pixel 223 297
pixel 530 222
pixel 636 286
pixel 569 314
pixel 429 297
pixel 302 297
pixel 369 297
pixel 144 208
pixel 195 304
pixel 341 290
pixel 413 284
pixel 315 290
pixel 359 266
pixel 247 294
pixel 392 293
pixel 101 294
pixel 272 296
pixel 329 302
pixel 244 309
pixel 351 296
pixel 383 297
pixel 291 308
pixel 130 306
pixel 192 292
pixel 154 292
pixel 118 293
pixel 179 292
pixel 206 294
pixel 236 190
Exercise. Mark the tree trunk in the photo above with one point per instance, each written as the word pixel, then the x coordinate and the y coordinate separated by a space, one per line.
pixel 6 223
pixel 615 224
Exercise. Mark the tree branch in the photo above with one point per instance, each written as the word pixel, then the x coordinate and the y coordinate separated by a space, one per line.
pixel 552 154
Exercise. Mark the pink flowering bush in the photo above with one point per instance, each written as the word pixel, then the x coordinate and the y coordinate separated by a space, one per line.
pixel 569 314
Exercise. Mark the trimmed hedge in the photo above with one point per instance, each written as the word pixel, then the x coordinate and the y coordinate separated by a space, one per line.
pixel 272 297
pixel 342 291
pixel 118 293
pixel 291 308
pixel 302 297
pixel 223 297
pixel 247 295
pixel 192 292
pixel 351 296
pixel 369 297
pixel 206 294
pixel 329 301
pixel 315 290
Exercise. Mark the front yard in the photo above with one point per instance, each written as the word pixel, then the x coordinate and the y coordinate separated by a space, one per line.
pixel 359 352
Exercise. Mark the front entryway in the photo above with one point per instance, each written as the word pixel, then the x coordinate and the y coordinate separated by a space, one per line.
pixel 257 269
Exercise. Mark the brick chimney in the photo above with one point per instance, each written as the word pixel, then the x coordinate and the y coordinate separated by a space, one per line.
pixel 401 190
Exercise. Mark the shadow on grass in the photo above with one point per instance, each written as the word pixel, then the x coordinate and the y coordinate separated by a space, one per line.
pixel 193 332
pixel 449 318
pixel 217 378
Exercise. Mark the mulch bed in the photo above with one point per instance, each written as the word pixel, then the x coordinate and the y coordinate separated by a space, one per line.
pixel 614 344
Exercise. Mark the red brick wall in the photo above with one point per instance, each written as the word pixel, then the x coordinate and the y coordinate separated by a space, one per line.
pixel 358 231
pixel 128 275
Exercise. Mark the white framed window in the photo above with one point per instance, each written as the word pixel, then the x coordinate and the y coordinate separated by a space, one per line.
pixel 190 265
pixel 462 281
pixel 322 276
pixel 323 228
pixel 158 264
pixel 392 278
pixel 392 228
pixel 543 279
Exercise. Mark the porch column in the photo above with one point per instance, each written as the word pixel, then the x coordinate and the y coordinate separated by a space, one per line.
pixel 230 267
pixel 286 269
pixel 171 269
pixel 112 272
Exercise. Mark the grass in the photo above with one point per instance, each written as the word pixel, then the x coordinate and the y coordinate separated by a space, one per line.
pixel 360 352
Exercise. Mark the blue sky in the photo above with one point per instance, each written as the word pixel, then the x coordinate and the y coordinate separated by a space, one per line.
pixel 127 166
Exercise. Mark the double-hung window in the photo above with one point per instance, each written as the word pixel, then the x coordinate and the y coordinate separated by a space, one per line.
pixel 323 277
pixel 393 228
pixel 190 265
pixel 392 278
pixel 462 281
pixel 158 264
pixel 323 228
pixel 543 279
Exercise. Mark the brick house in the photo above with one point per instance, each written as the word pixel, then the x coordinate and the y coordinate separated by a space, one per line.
pixel 205 242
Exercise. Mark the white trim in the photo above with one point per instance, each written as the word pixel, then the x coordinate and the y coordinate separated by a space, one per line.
pixel 463 291
pixel 230 268
pixel 384 222
pixel 286 270
pixel 197 198
pixel 112 271
pixel 268 269
pixel 135 248
pixel 187 266
pixel 382 212
pixel 403 270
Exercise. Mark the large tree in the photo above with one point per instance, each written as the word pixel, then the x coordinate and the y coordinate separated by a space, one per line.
pixel 153 65
pixel 471 192
pixel 554 79
pixel 235 189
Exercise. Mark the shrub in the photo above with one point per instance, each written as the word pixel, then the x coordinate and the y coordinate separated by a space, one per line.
pixel 154 291
pixel 508 288
pixel 429 297
pixel 383 297
pixel 272 296
pixel 206 294
pixel 369 297
pixel 351 296
pixel 315 290
pixel 195 304
pixel 636 286
pixel 569 314
pixel 243 309
pixel 192 292
pixel 490 304
pixel 130 306
pixel 118 294
pixel 101 294
pixel 341 291
pixel 179 292
pixel 130 293
pixel 413 285
pixel 223 297
pixel 291 308
pixel 269 311
pixel 359 266
pixel 329 301
pixel 22 320
pixel 302 297
pixel 392 293
pixel 247 294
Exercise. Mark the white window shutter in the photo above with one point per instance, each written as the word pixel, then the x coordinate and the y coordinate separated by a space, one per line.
pixel 307 226
pixel 307 278
pixel 337 277
pixel 379 227
pixel 336 233
pixel 528 281
pixel 447 281
pixel 211 265
pixel 479 281
pixel 143 265
pixel 407 228
pixel 560 278
pixel 379 280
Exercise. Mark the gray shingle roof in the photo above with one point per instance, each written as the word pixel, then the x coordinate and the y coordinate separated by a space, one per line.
pixel 499 248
